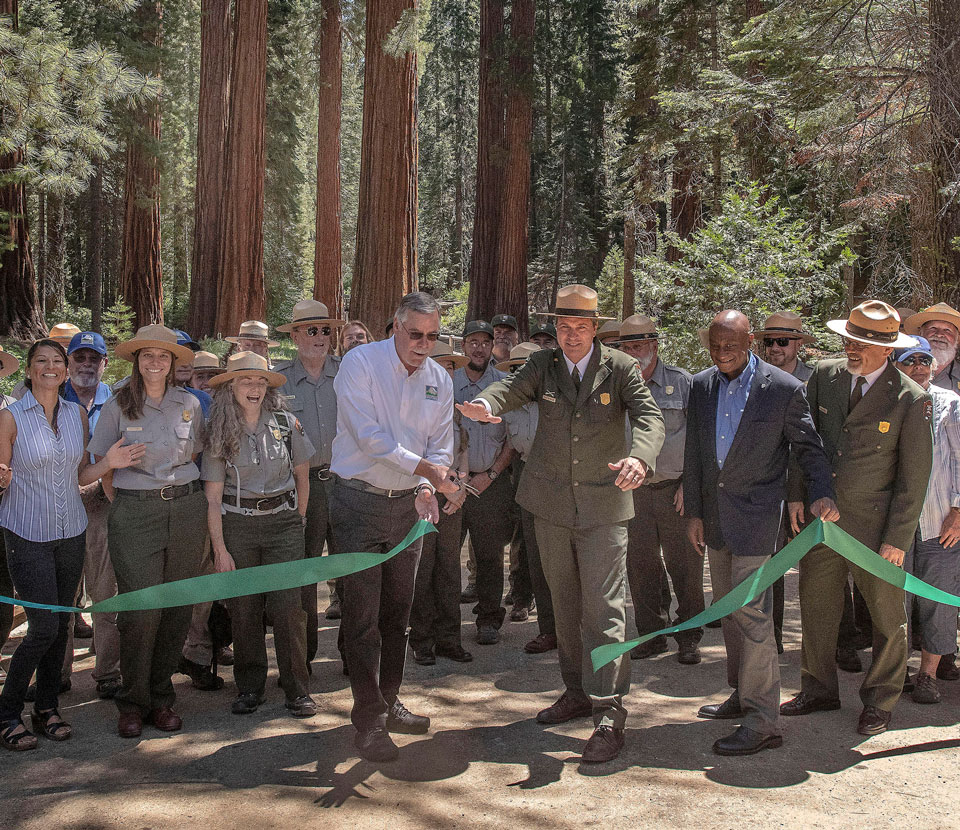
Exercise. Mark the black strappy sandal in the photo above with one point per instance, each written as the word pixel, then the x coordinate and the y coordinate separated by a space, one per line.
pixel 59 730
pixel 19 742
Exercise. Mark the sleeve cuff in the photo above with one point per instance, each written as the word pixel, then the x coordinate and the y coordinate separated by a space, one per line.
pixel 955 500
pixel 486 405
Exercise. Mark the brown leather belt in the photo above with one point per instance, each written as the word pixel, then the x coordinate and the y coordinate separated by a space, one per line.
pixel 321 473
pixel 362 486
pixel 168 493
pixel 268 503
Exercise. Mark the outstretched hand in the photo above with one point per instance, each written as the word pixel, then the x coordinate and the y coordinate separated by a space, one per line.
pixel 632 473
pixel 477 412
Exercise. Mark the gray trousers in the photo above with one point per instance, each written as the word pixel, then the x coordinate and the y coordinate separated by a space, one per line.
pixel 753 667
pixel 586 572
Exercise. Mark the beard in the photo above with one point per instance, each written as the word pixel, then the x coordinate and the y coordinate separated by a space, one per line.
pixel 944 355
pixel 478 367
pixel 645 362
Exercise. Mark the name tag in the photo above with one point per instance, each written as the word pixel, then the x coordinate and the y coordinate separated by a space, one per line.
pixel 823 409
pixel 134 429
pixel 549 397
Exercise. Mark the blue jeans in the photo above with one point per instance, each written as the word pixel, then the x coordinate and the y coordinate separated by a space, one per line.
pixel 49 573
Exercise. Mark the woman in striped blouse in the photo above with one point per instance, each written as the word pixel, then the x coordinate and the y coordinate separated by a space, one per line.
pixel 42 466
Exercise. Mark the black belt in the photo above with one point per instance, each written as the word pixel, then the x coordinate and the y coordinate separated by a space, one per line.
pixel 359 484
pixel 168 493
pixel 660 485
pixel 321 473
pixel 269 503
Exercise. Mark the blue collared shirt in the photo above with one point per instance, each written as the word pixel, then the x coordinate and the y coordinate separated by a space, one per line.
pixel 101 396
pixel 731 401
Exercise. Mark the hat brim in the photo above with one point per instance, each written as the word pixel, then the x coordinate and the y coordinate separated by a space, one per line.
pixel 271 344
pixel 507 365
pixel 903 341
pixel 805 338
pixel 459 360
pixel 129 349
pixel 585 315
pixel 9 364
pixel 274 379
pixel 913 323
pixel 217 370
pixel 289 327
pixel 636 338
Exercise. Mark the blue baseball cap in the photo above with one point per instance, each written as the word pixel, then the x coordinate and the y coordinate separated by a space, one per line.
pixel 88 340
pixel 922 347
pixel 184 339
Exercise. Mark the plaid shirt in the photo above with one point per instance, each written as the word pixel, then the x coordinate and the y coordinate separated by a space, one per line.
pixel 943 492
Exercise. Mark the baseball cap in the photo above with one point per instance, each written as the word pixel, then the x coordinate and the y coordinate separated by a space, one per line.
pixel 544 328
pixel 184 339
pixel 505 320
pixel 922 347
pixel 87 340
pixel 475 326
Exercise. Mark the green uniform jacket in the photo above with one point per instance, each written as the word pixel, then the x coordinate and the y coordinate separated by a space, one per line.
pixel 880 453
pixel 566 479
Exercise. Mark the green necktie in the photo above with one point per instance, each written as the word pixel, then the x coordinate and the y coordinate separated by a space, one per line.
pixel 857 393
pixel 576 377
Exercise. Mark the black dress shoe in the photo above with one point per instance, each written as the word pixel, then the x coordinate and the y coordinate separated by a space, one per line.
pixel 746 742
pixel 402 720
pixel 541 644
pixel 848 660
pixel 376 745
pixel 804 704
pixel 649 649
pixel 604 745
pixel 730 708
pixel 424 657
pixel 566 708
pixel 246 703
pixel 689 654
pixel 457 653
pixel 203 678
pixel 873 721
pixel 947 668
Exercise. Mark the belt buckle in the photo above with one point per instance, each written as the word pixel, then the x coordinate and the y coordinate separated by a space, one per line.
pixel 260 501
pixel 163 492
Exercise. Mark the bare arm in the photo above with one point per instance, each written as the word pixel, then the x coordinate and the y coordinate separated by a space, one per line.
pixel 301 478
pixel 222 560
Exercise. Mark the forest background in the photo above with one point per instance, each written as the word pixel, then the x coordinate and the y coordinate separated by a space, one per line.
pixel 203 163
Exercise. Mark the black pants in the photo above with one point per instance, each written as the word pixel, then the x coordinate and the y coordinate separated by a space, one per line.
pixel 541 591
pixel 521 586
pixel 48 573
pixel 318 532
pixel 6 589
pixel 435 616
pixel 377 601
pixel 487 518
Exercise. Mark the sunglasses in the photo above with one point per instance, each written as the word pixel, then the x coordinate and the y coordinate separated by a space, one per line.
pixel 918 360
pixel 431 337
pixel 782 342
pixel 313 331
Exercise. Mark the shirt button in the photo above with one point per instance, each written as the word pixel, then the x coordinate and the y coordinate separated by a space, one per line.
pixel 576 484
pixel 576 438
pixel 576 460
pixel 720 484
pixel 578 414
pixel 834 475
pixel 839 453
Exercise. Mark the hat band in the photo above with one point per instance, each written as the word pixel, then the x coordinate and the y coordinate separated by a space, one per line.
pixel 785 330
pixel 868 334
pixel 306 320
pixel 653 336
pixel 252 337
pixel 576 312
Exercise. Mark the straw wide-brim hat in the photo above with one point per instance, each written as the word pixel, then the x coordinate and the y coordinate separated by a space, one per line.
pixel 8 364
pixel 576 301
pixel 63 333
pixel 310 311
pixel 442 351
pixel 785 324
pixel 639 327
pixel 254 330
pixel 248 364
pixel 154 336
pixel 609 331
pixel 206 362
pixel 905 313
pixel 518 356
pixel 940 311
pixel 874 323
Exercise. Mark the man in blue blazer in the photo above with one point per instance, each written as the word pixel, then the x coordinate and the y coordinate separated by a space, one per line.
pixel 745 417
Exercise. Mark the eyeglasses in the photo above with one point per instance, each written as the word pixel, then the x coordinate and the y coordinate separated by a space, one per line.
pixel 254 450
pixel 313 331
pixel 431 337
pixel 918 360
pixel 782 342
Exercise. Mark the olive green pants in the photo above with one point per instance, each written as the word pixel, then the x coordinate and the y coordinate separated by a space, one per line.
pixel 267 540
pixel 151 542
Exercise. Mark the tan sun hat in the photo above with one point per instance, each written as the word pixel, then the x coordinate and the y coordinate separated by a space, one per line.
pixel 247 364
pixel 518 356
pixel 576 301
pixel 875 323
pixel 905 313
pixel 154 336
pixel 785 324
pixel 608 331
pixel 254 330
pixel 63 333
pixel 206 362
pixel 638 327
pixel 309 311
pixel 443 351
pixel 9 363
pixel 940 311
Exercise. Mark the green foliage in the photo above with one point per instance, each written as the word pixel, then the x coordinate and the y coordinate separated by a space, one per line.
pixel 117 323
pixel 454 318
pixel 610 284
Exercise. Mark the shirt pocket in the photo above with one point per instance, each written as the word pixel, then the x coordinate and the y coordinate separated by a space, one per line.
pixel 184 433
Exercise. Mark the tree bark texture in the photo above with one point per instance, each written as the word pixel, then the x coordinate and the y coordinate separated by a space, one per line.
pixel 629 263
pixel 327 266
pixel 386 257
pixel 212 112
pixel 241 288
pixel 484 265
pixel 511 283
pixel 95 249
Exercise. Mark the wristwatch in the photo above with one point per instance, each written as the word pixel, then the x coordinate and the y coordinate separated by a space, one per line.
pixel 493 475
pixel 420 487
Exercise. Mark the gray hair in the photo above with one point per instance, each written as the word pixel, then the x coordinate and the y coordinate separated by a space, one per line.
pixel 417 302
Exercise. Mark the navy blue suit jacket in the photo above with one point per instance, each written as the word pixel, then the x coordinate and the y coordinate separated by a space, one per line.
pixel 741 504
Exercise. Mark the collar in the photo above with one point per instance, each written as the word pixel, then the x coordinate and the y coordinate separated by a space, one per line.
pixel 483 380
pixel 100 397
pixel 300 373
pixel 744 377
pixel 870 379
pixel 28 400
pixel 397 363
pixel 580 364
pixel 659 375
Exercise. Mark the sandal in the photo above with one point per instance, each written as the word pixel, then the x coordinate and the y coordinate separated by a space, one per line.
pixel 16 741
pixel 59 730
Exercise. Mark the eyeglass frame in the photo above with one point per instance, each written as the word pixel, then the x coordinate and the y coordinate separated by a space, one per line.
pixel 782 342
pixel 431 337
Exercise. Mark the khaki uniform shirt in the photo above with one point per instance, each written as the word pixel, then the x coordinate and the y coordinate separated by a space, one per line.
pixel 262 465
pixel 949 378
pixel 670 387
pixel 486 440
pixel 173 433
pixel 314 403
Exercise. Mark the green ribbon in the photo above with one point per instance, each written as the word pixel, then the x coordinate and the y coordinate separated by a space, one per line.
pixel 261 579
pixel 815 533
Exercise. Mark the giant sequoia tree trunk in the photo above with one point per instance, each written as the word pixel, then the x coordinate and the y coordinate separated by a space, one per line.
pixel 327 268
pixel 140 277
pixel 240 287
pixel 484 263
pixel 213 107
pixel 95 249
pixel 511 283
pixel 386 261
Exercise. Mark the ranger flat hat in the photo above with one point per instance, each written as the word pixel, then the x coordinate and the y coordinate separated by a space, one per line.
pixel 785 324
pixel 254 330
pixel 309 311
pixel 63 333
pixel 248 364
pixel 518 356
pixel 505 320
pixel 207 362
pixel 940 311
pixel 609 331
pixel 875 323
pixel 8 363
pixel 638 327
pixel 576 301
pixel 442 351
pixel 475 326
pixel 154 336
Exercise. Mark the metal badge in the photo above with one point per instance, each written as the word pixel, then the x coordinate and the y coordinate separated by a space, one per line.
pixel 187 416
pixel 668 390
pixel 276 433
pixel 605 398
pixel 884 427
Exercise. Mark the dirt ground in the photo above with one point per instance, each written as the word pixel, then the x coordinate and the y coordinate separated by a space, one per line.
pixel 485 762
